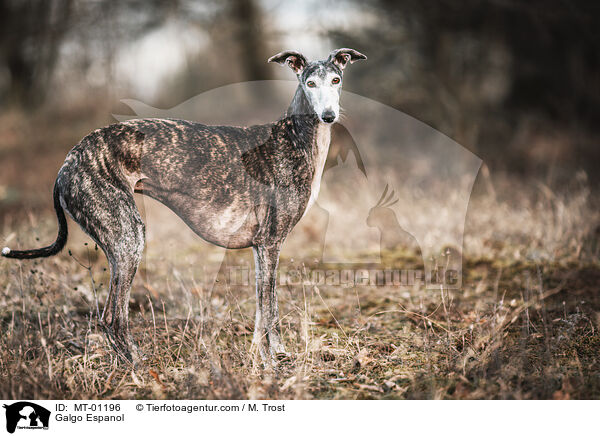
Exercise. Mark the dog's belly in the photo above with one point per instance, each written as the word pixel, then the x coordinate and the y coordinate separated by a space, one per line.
pixel 232 225
pixel 229 227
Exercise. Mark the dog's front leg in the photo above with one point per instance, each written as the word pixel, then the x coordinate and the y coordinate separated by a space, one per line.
pixel 267 334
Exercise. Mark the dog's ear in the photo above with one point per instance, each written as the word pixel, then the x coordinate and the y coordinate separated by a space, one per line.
pixel 342 56
pixel 296 61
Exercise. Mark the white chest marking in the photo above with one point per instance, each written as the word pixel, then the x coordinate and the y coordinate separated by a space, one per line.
pixel 323 138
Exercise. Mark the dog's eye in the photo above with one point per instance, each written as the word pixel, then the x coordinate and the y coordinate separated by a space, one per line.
pixel 311 84
pixel 335 80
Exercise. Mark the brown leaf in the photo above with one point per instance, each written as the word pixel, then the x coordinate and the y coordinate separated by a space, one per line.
pixel 156 377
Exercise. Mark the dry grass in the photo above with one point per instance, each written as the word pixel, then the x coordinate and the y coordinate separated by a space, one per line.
pixel 520 327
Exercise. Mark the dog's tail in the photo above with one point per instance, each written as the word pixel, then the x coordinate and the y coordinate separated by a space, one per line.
pixel 50 250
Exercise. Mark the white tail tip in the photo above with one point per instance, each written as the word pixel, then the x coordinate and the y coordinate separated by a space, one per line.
pixel 5 251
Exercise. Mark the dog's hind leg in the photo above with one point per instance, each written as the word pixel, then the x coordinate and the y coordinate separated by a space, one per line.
pixel 124 254
pixel 115 317
pixel 108 214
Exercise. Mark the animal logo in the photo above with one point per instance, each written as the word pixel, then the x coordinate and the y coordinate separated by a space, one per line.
pixel 393 236
pixel 26 415
pixel 372 145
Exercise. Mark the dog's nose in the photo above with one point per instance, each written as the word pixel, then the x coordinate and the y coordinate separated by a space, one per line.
pixel 328 116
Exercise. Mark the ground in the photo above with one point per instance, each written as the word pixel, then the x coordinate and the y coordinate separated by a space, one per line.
pixel 513 330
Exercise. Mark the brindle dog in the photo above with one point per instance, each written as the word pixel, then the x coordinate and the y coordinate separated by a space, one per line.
pixel 236 187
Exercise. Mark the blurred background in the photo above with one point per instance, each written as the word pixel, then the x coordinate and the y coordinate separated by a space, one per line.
pixel 515 82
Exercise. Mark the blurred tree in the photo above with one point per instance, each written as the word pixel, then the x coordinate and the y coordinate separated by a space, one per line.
pixel 477 69
pixel 31 33
pixel 236 51
pixel 247 21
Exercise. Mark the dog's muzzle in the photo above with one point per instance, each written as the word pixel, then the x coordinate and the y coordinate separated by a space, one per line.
pixel 328 116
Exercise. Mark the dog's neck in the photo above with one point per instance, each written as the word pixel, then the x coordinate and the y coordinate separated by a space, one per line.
pixel 314 134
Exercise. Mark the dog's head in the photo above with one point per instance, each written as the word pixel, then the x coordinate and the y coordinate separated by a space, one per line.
pixel 321 81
